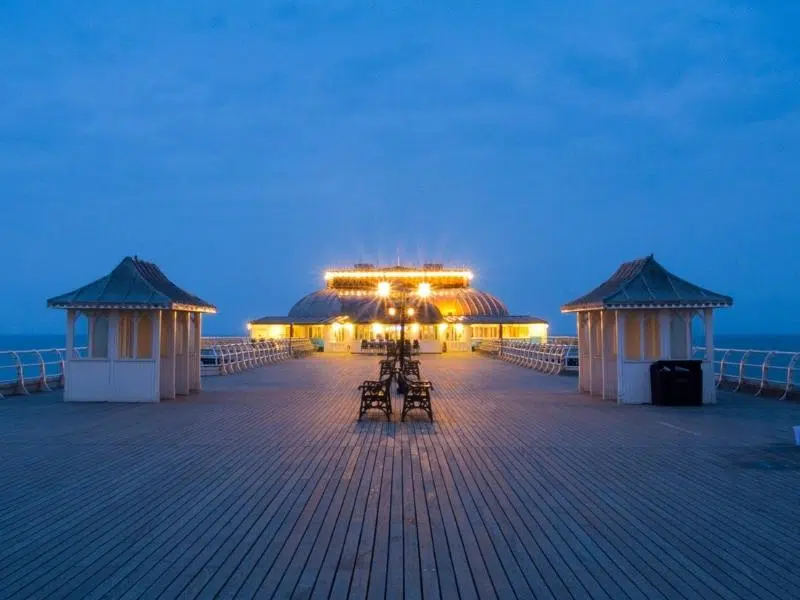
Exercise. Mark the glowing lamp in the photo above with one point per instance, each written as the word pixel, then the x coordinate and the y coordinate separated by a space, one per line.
pixel 392 311
pixel 459 327
pixel 383 289
pixel 424 290
pixel 410 311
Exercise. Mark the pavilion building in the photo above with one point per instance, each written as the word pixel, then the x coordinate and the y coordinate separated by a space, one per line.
pixel 359 305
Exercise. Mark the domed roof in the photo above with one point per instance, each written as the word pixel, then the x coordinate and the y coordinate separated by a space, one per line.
pixel 322 304
pixel 469 302
pixel 329 303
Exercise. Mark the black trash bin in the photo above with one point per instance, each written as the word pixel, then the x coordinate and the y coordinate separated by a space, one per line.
pixel 676 383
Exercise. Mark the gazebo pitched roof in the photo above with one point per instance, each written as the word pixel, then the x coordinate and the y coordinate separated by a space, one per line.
pixel 645 283
pixel 132 284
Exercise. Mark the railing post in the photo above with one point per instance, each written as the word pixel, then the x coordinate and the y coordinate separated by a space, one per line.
pixel 19 387
pixel 721 365
pixel 764 373
pixel 42 373
pixel 741 370
pixel 62 377
pixel 789 375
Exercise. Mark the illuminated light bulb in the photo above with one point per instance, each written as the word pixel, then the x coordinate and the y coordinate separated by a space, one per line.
pixel 424 290
pixel 392 311
pixel 410 312
pixel 383 289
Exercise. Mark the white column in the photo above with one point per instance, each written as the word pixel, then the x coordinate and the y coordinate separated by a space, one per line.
pixel 155 349
pixel 182 354
pixel 708 319
pixel 603 354
pixel 196 384
pixel 620 354
pixel 590 353
pixel 581 366
pixel 68 350
pixel 167 357
pixel 665 333
pixel 709 389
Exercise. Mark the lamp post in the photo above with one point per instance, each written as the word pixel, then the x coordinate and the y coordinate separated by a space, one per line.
pixel 385 290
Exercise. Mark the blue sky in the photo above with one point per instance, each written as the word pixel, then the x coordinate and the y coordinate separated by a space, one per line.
pixel 246 146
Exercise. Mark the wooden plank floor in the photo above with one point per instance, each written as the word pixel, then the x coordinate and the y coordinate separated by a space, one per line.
pixel 266 486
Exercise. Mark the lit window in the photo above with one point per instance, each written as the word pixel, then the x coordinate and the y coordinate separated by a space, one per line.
pixel 144 336
pixel 633 337
pixel 652 337
pixel 125 336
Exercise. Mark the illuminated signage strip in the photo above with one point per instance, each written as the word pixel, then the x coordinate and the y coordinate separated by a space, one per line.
pixel 395 274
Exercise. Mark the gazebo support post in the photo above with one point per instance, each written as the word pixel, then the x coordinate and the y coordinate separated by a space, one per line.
pixel 155 347
pixel 195 385
pixel 603 354
pixel 168 356
pixel 709 389
pixel 72 316
pixel 620 326
pixel 590 354
pixel 182 354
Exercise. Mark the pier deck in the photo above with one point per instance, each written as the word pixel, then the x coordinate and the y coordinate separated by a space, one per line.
pixel 266 484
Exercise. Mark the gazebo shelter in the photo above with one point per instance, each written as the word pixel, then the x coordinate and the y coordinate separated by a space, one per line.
pixel 641 314
pixel 144 336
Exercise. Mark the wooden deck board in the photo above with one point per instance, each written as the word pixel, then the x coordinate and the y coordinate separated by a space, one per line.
pixel 266 486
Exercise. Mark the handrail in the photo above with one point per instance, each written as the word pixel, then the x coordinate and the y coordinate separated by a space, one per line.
pixel 232 355
pixel 741 369
pixel 756 371
pixel 549 358
pixel 748 370
pixel 26 371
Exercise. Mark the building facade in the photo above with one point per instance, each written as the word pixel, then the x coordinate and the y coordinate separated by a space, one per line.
pixel 367 305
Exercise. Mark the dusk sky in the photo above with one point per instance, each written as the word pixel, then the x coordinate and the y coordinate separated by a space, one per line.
pixel 247 146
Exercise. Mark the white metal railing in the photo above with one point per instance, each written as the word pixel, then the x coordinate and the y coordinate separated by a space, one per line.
pixel 241 354
pixel 548 358
pixel 756 371
pixel 26 371
pixel 740 369
pixel 209 341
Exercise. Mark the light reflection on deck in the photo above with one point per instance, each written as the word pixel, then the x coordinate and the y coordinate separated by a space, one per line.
pixel 266 483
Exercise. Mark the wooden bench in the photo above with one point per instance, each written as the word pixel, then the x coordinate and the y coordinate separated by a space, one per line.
pixel 411 368
pixel 417 396
pixel 387 369
pixel 376 394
